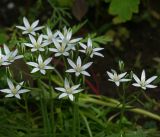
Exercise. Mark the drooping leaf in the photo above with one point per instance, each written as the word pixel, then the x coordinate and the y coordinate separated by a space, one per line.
pixel 123 9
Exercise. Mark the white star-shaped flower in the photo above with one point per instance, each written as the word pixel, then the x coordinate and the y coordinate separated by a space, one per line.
pixel 36 45
pixel 68 90
pixel 50 37
pixel 29 29
pixel 143 83
pixel 41 66
pixel 3 59
pixel 89 50
pixel 14 90
pixel 60 49
pixel 66 37
pixel 117 78
pixel 78 68
pixel 11 56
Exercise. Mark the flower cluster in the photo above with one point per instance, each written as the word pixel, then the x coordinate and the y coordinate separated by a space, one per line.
pixel 142 82
pixel 57 43
pixel 42 47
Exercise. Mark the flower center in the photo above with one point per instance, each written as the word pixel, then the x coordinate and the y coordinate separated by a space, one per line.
pixel 41 65
pixel 37 46
pixel 10 58
pixel 14 91
pixel 30 29
pixel 143 83
pixel 78 68
pixel 116 78
pixel 62 49
pixel 89 50
pixel 69 90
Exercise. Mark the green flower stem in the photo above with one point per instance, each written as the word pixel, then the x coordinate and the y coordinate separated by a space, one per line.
pixel 117 104
pixel 123 106
pixel 76 124
pixel 28 116
pixel 51 107
pixel 87 124
pixel 47 129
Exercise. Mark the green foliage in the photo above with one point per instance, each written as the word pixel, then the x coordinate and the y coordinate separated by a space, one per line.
pixel 123 9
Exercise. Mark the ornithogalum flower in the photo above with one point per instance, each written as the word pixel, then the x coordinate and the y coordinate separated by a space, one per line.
pixel 14 90
pixel 117 78
pixel 36 45
pixel 60 49
pixel 66 37
pixel 50 37
pixel 78 68
pixel 11 56
pixel 89 50
pixel 143 83
pixel 68 90
pixel 3 59
pixel 29 29
pixel 41 66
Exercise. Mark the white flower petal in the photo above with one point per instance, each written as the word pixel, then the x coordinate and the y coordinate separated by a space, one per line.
pixel 38 28
pixel 89 42
pixel 75 87
pixel 85 73
pixel 136 85
pixel 70 70
pixel 98 54
pixel 6 49
pixel 28 45
pixel 32 39
pixel 48 67
pixel 117 83
pixel 136 78
pixel 47 61
pixel 71 63
pixel 26 23
pixel 9 95
pixel 61 89
pixel 122 75
pixel 10 84
pixel 34 24
pixel 71 97
pixel 6 90
pixel 40 60
pixel 151 79
pixel 110 75
pixel 23 91
pixel 21 27
pixel 43 71
pixel 79 62
pixel 77 91
pixel 86 65
pixel 143 76
pixel 32 64
pixel 75 40
pixel 150 86
pixel 35 70
pixel 53 50
pixel 63 95
pixel 17 96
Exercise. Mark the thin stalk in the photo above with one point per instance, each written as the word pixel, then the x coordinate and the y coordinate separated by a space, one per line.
pixel 123 105
pixel 28 117
pixel 47 129
pixel 76 124
pixel 87 124
pixel 51 107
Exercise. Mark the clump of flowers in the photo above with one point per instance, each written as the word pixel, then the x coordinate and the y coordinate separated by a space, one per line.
pixel 40 48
